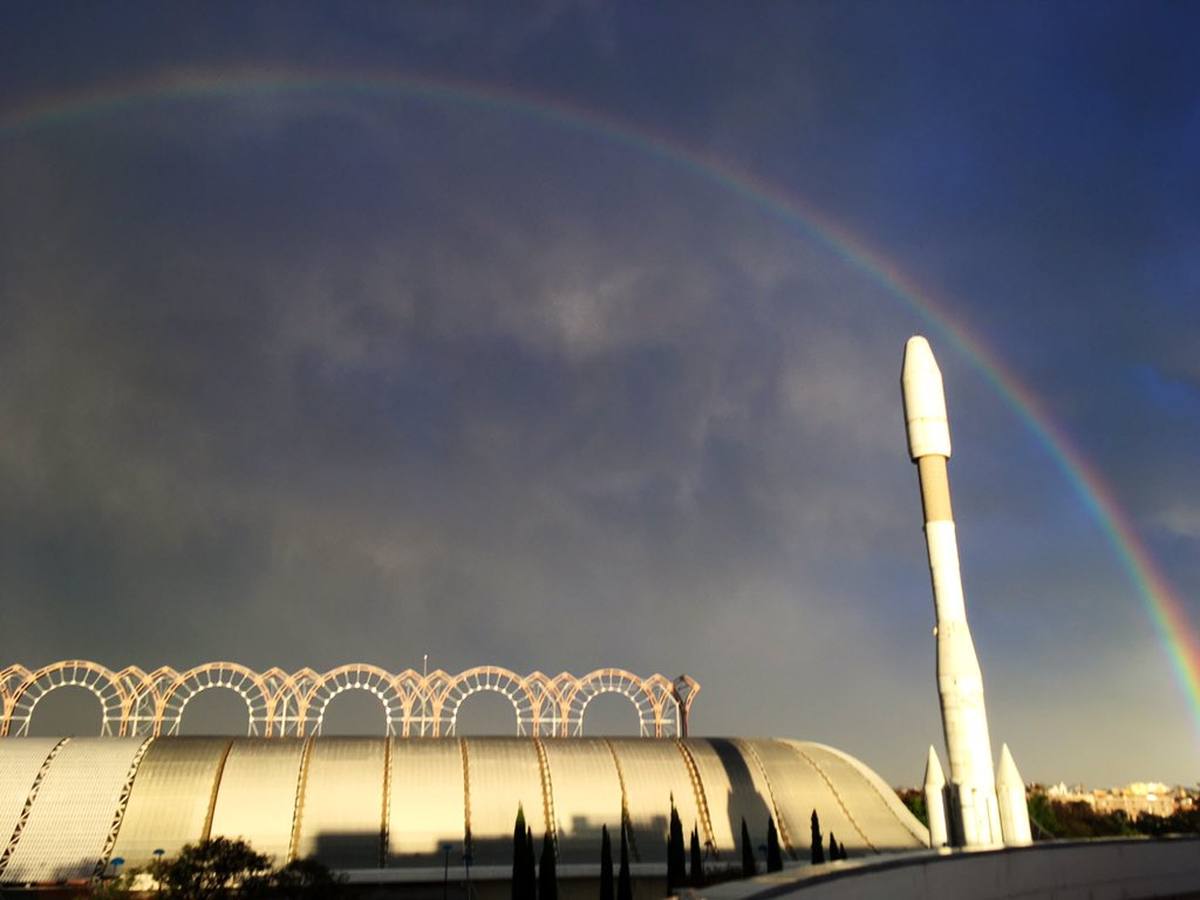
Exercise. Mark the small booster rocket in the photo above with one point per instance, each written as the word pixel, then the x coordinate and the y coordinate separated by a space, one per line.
pixel 971 805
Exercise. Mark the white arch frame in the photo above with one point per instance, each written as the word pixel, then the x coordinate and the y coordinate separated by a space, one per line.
pixel 611 681
pixel 93 677
pixel 356 677
pixel 244 682
pixel 479 680
pixel 134 702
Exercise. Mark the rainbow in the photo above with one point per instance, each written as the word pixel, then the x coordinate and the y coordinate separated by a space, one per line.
pixel 1162 604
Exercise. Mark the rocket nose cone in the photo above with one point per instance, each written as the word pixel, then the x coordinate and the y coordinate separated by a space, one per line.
pixel 1007 774
pixel 934 778
pixel 924 401
pixel 918 360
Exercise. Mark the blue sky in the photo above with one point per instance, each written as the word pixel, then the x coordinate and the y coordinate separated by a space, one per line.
pixel 318 376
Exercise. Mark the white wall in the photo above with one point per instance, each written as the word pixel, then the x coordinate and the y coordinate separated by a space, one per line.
pixel 1087 870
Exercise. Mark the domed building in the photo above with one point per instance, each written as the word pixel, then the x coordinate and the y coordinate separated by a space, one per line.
pixel 71 807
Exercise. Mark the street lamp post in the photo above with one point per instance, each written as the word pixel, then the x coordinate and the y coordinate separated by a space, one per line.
pixel 158 855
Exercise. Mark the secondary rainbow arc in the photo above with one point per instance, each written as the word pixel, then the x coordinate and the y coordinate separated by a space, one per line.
pixel 1163 605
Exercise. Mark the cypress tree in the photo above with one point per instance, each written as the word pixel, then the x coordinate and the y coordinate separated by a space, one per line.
pixel 818 848
pixel 530 866
pixel 518 856
pixel 624 882
pixel 774 856
pixel 606 870
pixel 548 870
pixel 676 858
pixel 697 860
pixel 833 848
pixel 749 866
pixel 841 850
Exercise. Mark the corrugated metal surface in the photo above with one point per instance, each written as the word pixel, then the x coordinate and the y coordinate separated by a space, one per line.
pixel 257 796
pixel 654 773
pixel 799 789
pixel 20 759
pixel 343 798
pixel 74 811
pixel 171 797
pixel 425 808
pixel 735 790
pixel 587 795
pixel 504 773
pixel 341 820
pixel 872 812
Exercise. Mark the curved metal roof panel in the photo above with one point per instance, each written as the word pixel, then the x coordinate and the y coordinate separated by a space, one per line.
pixel 341 817
pixel 74 812
pixel 257 796
pixel 172 797
pixel 587 796
pixel 426 800
pixel 357 803
pixel 20 762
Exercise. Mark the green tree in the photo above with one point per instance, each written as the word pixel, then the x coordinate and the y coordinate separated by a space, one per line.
pixel 301 879
pixel 548 869
pixel 774 856
pixel 697 873
pixel 749 866
pixel 818 848
pixel 915 801
pixel 118 888
pixel 221 867
pixel 209 870
pixel 676 856
pixel 1041 816
pixel 624 882
pixel 606 867
pixel 833 847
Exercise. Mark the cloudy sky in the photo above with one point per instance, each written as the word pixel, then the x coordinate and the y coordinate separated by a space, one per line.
pixel 303 365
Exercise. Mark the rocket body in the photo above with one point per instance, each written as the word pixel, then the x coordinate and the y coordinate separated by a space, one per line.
pixel 935 801
pixel 972 809
pixel 1014 811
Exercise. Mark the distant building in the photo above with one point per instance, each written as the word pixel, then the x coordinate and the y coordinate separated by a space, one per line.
pixel 1139 798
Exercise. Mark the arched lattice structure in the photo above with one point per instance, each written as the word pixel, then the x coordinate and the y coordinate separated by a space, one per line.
pixel 485 678
pixel 11 679
pixel 249 685
pixel 104 684
pixel 356 677
pixel 611 681
pixel 144 692
pixel 667 714
pixel 136 702
pixel 289 699
pixel 429 692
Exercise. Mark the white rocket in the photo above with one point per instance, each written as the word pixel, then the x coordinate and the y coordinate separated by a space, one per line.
pixel 1014 809
pixel 935 801
pixel 972 811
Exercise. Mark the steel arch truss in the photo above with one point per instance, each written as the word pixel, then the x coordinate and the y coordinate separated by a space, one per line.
pixel 357 677
pixel 135 702
pixel 102 682
pixel 615 681
pixel 246 683
pixel 485 678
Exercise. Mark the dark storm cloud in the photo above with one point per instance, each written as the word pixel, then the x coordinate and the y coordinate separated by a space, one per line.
pixel 310 378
